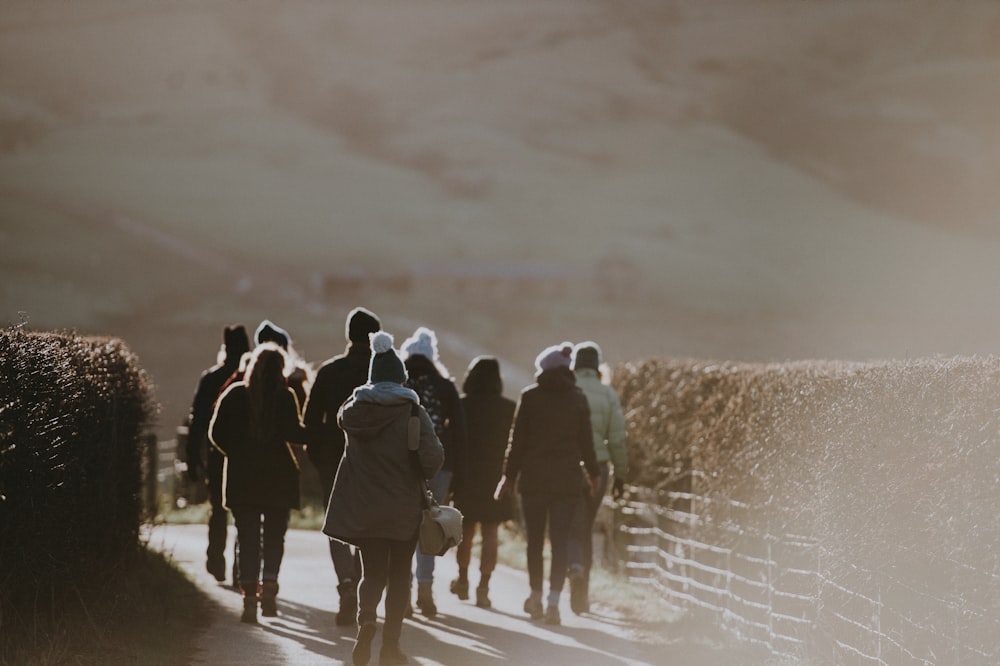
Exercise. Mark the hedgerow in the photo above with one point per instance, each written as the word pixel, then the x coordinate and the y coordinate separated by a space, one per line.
pixel 72 412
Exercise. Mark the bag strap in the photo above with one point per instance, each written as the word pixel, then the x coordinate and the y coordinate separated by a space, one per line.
pixel 413 444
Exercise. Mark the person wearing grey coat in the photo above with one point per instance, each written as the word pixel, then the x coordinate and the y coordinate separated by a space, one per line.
pixel 377 502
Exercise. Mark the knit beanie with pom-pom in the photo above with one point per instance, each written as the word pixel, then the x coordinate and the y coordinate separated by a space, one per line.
pixel 423 342
pixel 557 356
pixel 385 365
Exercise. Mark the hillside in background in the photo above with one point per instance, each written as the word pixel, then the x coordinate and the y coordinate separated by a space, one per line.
pixel 759 180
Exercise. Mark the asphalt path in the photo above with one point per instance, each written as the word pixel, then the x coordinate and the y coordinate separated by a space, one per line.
pixel 461 634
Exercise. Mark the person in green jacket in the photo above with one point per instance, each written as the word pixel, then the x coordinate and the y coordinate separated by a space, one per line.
pixel 608 429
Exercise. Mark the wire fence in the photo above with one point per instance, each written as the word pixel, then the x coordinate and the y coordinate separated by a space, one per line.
pixel 796 596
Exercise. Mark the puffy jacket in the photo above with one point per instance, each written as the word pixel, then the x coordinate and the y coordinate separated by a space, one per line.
pixel 551 437
pixel 606 420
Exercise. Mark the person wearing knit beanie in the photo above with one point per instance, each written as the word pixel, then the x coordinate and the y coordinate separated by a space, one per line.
pixel 268 331
pixel 385 365
pixel 608 431
pixel 361 322
pixel 557 356
pixel 335 382
pixel 586 355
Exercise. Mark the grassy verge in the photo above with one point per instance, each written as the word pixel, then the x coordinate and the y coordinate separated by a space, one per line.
pixel 146 614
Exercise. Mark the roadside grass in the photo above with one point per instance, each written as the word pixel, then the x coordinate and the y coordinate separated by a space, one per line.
pixel 147 614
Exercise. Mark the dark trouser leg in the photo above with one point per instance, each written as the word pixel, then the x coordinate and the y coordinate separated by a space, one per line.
pixel 488 552
pixel 248 523
pixel 581 539
pixel 560 517
pixel 374 573
pixel 275 527
pixel 397 596
pixel 218 519
pixel 535 508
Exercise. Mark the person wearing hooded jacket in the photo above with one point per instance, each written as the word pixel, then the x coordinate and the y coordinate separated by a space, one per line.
pixel 488 417
pixel 335 380
pixel 439 396
pixel 254 422
pixel 203 459
pixel 377 498
pixel 608 428
pixel 550 439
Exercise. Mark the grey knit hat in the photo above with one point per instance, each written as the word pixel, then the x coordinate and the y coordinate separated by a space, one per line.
pixel 385 365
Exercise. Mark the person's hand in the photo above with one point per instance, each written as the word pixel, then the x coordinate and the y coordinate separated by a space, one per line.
pixel 595 484
pixel 618 489
pixel 504 489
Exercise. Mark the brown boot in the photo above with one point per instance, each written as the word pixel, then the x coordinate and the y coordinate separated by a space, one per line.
pixel 425 599
pixel 249 591
pixel 269 598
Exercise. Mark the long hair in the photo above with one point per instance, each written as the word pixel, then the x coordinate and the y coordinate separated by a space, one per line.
pixel 265 379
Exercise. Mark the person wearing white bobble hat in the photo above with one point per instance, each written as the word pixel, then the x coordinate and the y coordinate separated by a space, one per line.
pixel 376 503
pixel 439 396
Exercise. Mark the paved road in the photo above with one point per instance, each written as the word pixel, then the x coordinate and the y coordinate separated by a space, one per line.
pixel 305 632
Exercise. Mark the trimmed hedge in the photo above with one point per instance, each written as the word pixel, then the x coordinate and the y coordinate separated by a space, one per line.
pixel 72 412
pixel 893 467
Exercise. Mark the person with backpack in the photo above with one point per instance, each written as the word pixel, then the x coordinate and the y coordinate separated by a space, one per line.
pixel 438 395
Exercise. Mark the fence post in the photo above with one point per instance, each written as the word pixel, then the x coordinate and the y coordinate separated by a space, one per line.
pixel 152 469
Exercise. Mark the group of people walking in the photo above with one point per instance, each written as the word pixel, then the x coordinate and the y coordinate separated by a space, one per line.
pixel 554 448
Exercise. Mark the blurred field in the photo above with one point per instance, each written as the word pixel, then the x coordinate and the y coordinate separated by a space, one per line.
pixel 758 180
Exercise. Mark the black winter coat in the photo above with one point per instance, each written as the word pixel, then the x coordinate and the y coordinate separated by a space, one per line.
pixel 335 382
pixel 488 417
pixel 551 437
pixel 259 473
pixel 210 385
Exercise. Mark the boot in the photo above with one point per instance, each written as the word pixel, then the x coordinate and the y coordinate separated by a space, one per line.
pixel 348 613
pixel 363 645
pixel 483 592
pixel 391 655
pixel 269 598
pixel 249 591
pixel 425 599
pixel 216 565
pixel 460 587
pixel 533 605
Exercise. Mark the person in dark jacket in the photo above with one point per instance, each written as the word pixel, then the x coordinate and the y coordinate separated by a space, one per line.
pixel 203 459
pixel 377 502
pixel 550 439
pixel 335 380
pixel 488 417
pixel 439 396
pixel 254 421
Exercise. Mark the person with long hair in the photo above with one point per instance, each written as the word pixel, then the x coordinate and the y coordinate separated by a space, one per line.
pixel 377 498
pixel 254 422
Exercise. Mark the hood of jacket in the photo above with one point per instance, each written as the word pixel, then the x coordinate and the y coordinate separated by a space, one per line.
pixel 373 407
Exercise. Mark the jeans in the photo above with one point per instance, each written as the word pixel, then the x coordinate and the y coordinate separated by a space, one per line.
pixel 385 565
pixel 253 523
pixel 439 486
pixel 581 539
pixel 555 513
